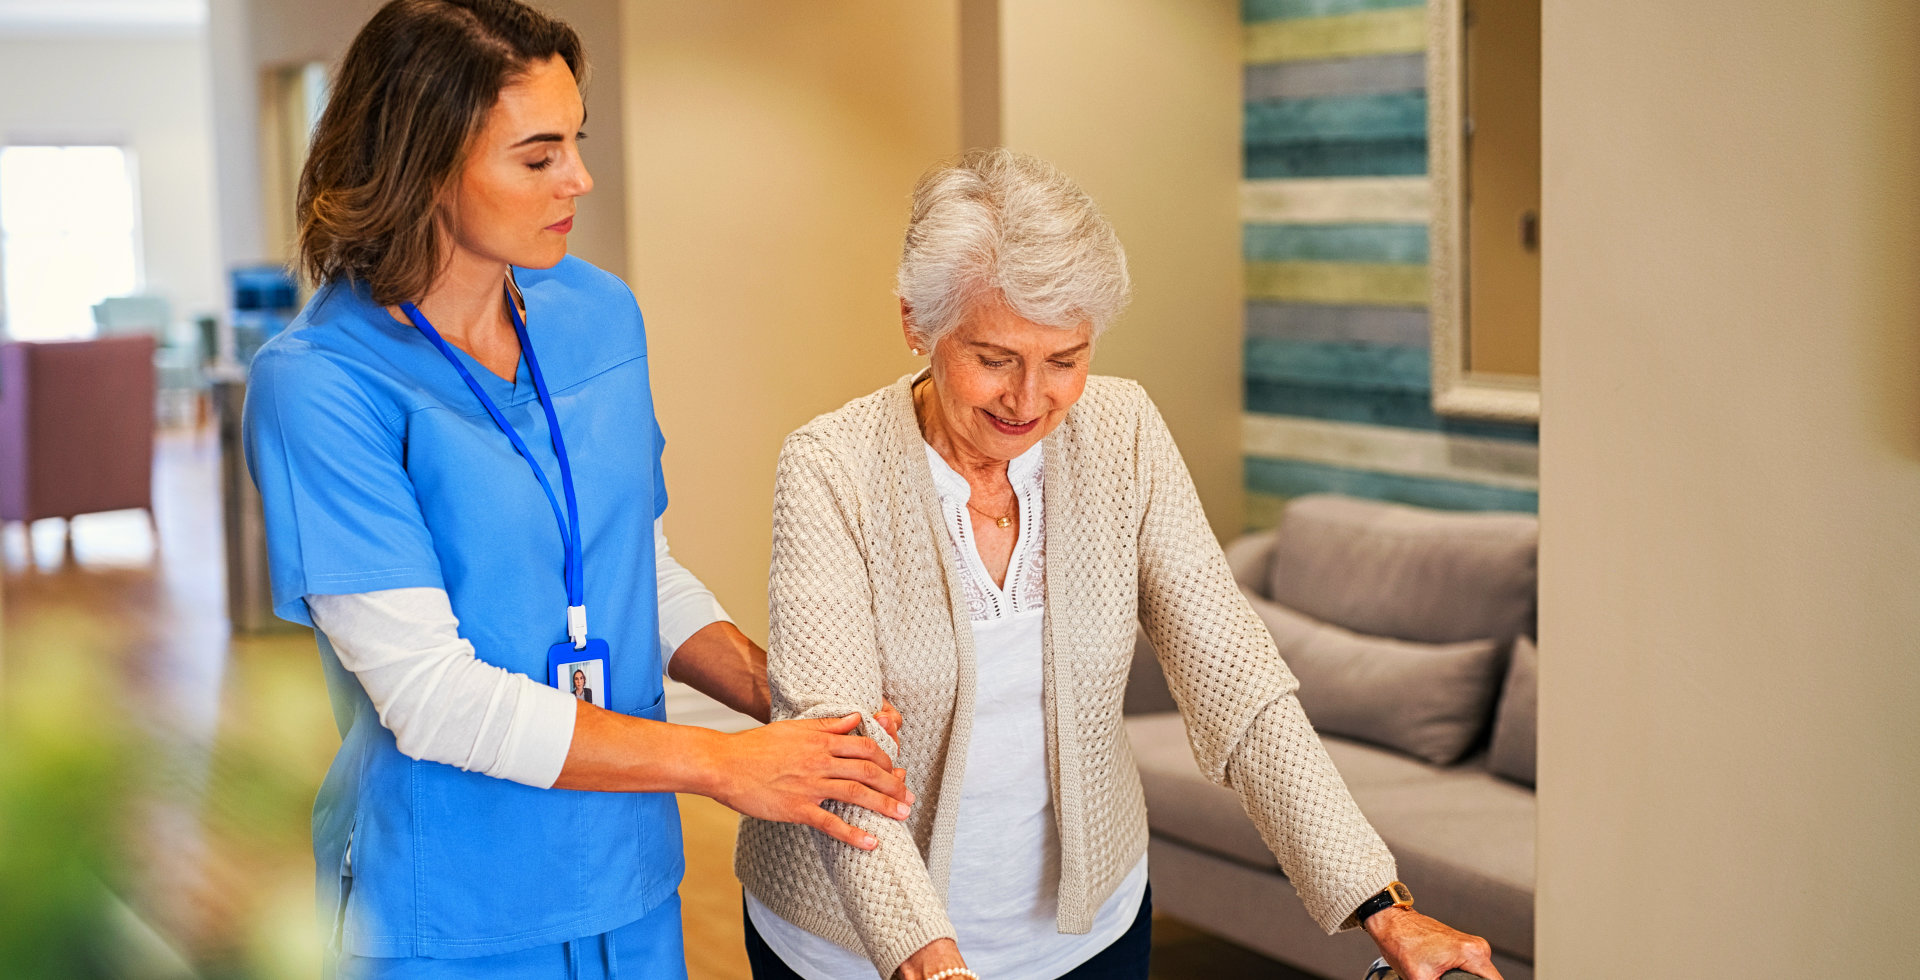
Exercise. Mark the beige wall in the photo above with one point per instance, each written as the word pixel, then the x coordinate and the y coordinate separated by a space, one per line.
pixel 773 148
pixel 1140 101
pixel 1730 565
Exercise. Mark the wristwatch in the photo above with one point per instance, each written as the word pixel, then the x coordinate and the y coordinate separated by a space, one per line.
pixel 1396 896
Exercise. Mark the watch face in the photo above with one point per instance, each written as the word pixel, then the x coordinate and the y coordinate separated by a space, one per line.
pixel 1400 894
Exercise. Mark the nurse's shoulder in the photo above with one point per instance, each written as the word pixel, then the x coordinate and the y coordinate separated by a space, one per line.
pixel 577 295
pixel 341 354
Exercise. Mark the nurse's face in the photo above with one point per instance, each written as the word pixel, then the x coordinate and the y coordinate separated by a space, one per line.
pixel 513 203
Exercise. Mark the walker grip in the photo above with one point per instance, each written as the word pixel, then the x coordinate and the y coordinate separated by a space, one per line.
pixel 1381 971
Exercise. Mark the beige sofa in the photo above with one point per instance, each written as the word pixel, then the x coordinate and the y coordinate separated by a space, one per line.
pixel 1410 633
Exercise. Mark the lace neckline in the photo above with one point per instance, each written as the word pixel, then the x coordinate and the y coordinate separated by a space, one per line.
pixel 1025 590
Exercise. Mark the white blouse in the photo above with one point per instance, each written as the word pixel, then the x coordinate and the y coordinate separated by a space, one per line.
pixel 1002 892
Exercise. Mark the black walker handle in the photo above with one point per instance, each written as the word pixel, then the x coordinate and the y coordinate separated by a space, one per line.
pixel 1380 971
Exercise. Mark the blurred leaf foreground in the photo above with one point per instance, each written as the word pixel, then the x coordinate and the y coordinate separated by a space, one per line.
pixel 154 828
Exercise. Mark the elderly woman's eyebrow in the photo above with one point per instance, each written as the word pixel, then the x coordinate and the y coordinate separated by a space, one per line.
pixel 1010 352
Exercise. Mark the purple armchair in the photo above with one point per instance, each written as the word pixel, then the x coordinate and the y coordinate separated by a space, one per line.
pixel 76 427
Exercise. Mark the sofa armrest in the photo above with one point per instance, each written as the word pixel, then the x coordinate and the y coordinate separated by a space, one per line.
pixel 1251 558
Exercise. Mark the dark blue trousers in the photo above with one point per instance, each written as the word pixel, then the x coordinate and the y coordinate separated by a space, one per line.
pixel 1126 959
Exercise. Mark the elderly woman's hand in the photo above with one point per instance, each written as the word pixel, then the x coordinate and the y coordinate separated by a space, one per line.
pixel 941 954
pixel 1419 947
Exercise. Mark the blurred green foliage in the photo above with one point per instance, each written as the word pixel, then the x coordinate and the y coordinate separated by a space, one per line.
pixel 67 766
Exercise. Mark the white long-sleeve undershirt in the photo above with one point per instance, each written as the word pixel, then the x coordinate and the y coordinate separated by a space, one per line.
pixel 445 705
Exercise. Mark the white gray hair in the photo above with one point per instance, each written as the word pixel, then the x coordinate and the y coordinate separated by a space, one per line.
pixel 1008 227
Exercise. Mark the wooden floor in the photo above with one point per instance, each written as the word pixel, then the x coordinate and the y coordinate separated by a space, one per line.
pixel 220 742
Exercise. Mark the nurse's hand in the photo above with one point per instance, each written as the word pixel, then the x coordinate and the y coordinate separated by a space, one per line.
pixel 785 770
pixel 889 718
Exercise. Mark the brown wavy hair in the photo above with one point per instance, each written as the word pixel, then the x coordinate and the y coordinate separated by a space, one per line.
pixel 412 94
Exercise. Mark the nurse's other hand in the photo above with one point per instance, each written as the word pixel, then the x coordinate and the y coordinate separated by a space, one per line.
pixel 785 770
pixel 889 718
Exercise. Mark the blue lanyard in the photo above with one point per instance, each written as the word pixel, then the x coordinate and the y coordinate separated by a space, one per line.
pixel 570 521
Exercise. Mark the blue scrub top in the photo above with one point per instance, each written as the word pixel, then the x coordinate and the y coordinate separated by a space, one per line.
pixel 379 469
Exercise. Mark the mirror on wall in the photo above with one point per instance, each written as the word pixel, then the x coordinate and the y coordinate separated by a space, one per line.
pixel 1483 135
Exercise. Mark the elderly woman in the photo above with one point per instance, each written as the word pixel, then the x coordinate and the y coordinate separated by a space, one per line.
pixel 976 542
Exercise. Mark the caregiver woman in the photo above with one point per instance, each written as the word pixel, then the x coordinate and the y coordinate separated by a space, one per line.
pixel 457 451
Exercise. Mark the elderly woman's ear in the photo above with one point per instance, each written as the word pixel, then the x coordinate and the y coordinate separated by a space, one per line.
pixel 914 343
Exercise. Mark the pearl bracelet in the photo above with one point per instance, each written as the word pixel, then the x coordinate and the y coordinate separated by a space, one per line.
pixel 951 972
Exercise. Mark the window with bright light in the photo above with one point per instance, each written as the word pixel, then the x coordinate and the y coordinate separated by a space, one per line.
pixel 69 237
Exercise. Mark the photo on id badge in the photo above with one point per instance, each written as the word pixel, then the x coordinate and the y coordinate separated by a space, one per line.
pixel 585 680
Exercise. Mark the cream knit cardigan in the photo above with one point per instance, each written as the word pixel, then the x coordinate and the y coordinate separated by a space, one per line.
pixel 867 602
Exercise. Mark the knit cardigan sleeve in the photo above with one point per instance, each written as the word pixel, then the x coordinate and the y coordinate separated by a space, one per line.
pixel 1236 696
pixel 824 662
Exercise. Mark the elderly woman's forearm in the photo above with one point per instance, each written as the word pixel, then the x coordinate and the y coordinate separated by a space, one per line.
pixel 871 885
pixel 1285 779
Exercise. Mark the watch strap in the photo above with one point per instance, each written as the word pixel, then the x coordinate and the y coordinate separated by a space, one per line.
pixel 1395 895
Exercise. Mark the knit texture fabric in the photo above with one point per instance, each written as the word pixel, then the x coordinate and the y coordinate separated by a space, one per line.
pixel 867 602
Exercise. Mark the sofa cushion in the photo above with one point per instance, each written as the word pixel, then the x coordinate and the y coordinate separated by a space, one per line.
pixel 1404 572
pixel 1431 700
pixel 1512 752
pixel 1463 838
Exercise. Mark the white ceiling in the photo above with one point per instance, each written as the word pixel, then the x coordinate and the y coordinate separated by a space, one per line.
pixel 102 16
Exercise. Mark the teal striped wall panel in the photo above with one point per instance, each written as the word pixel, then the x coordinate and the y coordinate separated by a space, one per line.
pixel 1349 366
pixel 1334 96
pixel 1252 11
pixel 1363 75
pixel 1292 478
pixel 1372 135
pixel 1402 408
pixel 1335 243
pixel 1331 118
pixel 1338 158
pixel 1388 326
pixel 1363 33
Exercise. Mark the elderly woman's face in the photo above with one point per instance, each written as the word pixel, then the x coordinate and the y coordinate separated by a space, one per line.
pixel 514 201
pixel 1003 382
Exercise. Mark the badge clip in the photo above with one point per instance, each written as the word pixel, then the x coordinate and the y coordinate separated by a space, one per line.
pixel 577 626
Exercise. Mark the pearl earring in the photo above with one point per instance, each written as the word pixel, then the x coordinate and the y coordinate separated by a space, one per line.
pixel 916 352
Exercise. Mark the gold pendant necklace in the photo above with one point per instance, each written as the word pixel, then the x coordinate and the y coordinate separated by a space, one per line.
pixel 1006 521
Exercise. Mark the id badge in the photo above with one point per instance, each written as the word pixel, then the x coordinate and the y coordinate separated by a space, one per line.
pixel 583 673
